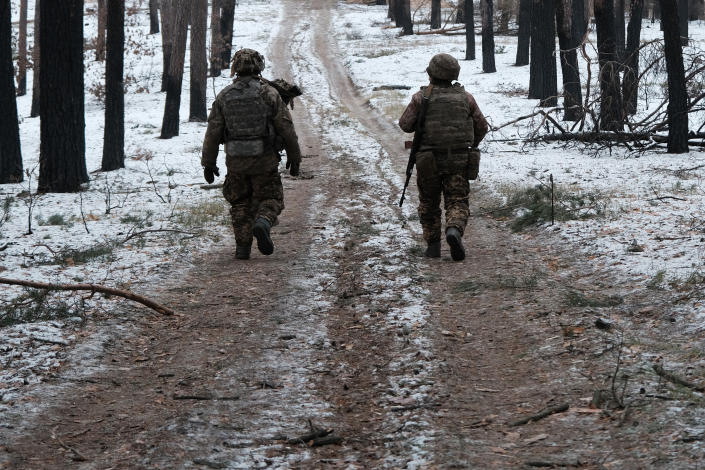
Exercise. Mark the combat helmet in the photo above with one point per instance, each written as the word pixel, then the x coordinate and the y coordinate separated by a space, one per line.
pixel 247 62
pixel 443 67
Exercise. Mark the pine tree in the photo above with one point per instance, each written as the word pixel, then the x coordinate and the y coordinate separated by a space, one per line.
pixel 543 81
pixel 199 64
pixel 435 14
pixel 22 51
pixel 35 61
pixel 469 30
pixel 62 162
pixel 610 92
pixel 569 40
pixel 677 92
pixel 170 122
pixel 10 154
pixel 227 21
pixel 216 41
pixel 488 65
pixel 153 16
pixel 524 36
pixel 114 132
pixel 631 57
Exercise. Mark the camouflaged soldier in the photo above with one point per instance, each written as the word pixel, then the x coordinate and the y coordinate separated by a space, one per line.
pixel 251 119
pixel 447 157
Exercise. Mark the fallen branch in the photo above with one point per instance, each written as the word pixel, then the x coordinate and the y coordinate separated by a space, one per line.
pixel 93 288
pixel 541 414
pixel 211 186
pixel 441 31
pixel 671 377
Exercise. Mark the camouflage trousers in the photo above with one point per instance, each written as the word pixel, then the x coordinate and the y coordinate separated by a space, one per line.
pixel 439 176
pixel 251 197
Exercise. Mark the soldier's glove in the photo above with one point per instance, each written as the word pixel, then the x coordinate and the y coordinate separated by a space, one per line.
pixel 209 172
pixel 293 167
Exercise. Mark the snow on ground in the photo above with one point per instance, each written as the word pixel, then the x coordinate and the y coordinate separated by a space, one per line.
pixel 651 201
pixel 93 236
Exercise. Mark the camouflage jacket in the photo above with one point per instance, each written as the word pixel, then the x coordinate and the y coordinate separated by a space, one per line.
pixel 407 122
pixel 281 123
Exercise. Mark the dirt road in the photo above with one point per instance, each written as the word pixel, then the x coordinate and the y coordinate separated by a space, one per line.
pixel 413 363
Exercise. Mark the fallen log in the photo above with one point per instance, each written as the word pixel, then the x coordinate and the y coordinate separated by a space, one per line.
pixel 541 414
pixel 93 288
pixel 442 31
pixel 671 377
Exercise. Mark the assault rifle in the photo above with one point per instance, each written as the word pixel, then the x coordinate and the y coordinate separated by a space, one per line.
pixel 416 143
pixel 286 90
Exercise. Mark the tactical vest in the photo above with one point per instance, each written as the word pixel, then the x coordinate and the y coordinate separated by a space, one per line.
pixel 247 119
pixel 448 123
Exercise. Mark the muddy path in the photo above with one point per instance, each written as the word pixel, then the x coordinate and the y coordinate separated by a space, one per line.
pixel 413 363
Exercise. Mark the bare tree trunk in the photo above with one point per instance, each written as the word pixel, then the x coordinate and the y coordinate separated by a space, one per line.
pixel 167 13
pixel 569 40
pixel 153 16
pixel 216 41
pixel 10 152
pixel 469 30
pixel 524 37
pixel 199 64
pixel 406 24
pixel 579 19
pixel 62 162
pixel 22 51
pixel 100 38
pixel 435 14
pixel 677 92
pixel 114 131
pixel 611 97
pixel 227 21
pixel 390 10
pixel 170 122
pixel 630 84
pixel 35 62
pixel 683 21
pixel 619 28
pixel 488 65
pixel 543 81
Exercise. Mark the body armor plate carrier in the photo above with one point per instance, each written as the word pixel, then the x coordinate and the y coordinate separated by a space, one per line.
pixel 247 120
pixel 449 124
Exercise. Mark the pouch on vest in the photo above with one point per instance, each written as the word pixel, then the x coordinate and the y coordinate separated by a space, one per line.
pixel 244 148
pixel 473 168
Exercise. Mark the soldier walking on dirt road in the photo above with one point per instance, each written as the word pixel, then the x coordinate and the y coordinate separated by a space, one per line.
pixel 452 127
pixel 251 119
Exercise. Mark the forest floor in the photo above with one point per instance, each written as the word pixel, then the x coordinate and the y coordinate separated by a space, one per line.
pixel 412 363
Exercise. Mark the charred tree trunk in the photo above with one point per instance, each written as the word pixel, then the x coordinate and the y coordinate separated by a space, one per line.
pixel 170 122
pixel 167 13
pixel 683 21
pixel 22 51
pixel 398 13
pixel 543 81
pixel 524 37
pixel 488 65
pixel 114 132
pixel 153 16
pixel 469 30
pixel 435 14
pixel 390 10
pixel 100 37
pixel 677 92
pixel 610 93
pixel 568 39
pixel 10 153
pixel 36 62
pixel 227 21
pixel 619 28
pixel 460 15
pixel 216 41
pixel 630 84
pixel 62 162
pixel 199 64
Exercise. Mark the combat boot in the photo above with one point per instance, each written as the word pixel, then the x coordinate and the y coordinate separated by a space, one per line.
pixel 433 250
pixel 261 233
pixel 242 251
pixel 455 241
